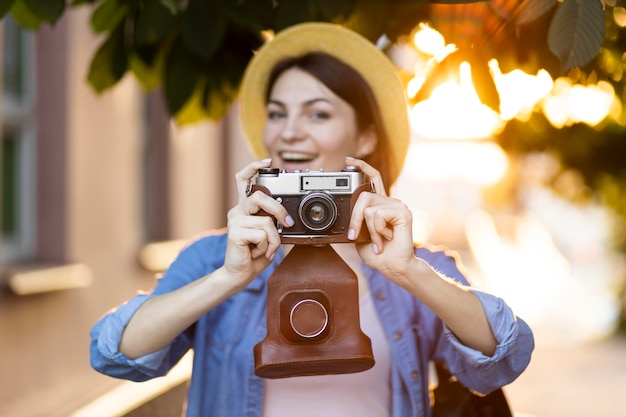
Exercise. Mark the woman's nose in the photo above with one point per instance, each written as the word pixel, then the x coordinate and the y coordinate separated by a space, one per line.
pixel 291 130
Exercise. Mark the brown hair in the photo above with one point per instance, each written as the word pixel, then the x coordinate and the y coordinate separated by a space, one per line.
pixel 347 83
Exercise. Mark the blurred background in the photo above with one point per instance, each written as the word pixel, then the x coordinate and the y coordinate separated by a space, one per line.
pixel 116 149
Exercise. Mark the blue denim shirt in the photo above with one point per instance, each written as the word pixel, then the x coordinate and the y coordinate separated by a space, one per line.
pixel 223 382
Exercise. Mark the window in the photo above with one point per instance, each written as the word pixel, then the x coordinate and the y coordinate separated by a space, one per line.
pixel 17 174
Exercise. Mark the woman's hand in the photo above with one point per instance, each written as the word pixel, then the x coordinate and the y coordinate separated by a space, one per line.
pixel 391 252
pixel 252 244
pixel 389 222
pixel 253 240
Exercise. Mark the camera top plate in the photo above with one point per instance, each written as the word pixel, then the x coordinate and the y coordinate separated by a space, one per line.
pixel 281 182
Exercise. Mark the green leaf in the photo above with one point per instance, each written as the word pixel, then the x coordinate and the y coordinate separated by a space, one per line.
pixel 401 17
pixel 369 18
pixel 153 23
pixel 577 32
pixel 532 10
pixel 5 6
pixel 108 15
pixel 24 16
pixel 149 76
pixel 182 73
pixel 336 10
pixel 203 27
pixel 291 12
pixel 48 10
pixel 75 3
pixel 218 100
pixel 253 15
pixel 231 60
pixel 171 5
pixel 219 79
pixel 110 62
pixel 211 99
pixel 147 53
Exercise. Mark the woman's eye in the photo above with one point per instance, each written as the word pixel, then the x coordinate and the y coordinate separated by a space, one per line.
pixel 320 115
pixel 275 115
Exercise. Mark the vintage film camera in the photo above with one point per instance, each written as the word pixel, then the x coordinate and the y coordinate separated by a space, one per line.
pixel 319 202
pixel 313 325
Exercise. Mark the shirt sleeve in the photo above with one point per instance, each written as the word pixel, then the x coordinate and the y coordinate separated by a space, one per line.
pixel 475 370
pixel 483 373
pixel 106 335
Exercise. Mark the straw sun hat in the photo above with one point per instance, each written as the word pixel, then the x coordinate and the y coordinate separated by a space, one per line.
pixel 351 48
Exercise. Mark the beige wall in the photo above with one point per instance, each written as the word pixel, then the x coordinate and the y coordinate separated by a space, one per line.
pixel 205 158
pixel 197 185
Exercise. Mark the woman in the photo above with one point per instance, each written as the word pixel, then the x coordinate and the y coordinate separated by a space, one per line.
pixel 316 97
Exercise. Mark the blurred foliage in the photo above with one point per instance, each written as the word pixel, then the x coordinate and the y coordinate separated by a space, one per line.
pixel 197 50
pixel 592 159
pixel 592 164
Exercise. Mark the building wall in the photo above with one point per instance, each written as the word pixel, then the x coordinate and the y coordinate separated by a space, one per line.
pixel 91 213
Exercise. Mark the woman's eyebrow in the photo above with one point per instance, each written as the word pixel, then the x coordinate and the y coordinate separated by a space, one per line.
pixel 305 104
pixel 275 102
pixel 316 100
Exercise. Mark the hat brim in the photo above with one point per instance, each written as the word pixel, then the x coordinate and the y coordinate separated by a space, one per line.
pixel 351 48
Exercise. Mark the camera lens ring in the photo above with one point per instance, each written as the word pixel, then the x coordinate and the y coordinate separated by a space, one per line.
pixel 318 200
pixel 303 304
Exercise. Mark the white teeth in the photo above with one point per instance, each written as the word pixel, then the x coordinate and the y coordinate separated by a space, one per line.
pixel 297 156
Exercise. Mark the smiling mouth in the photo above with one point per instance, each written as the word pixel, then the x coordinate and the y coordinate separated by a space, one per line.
pixel 297 157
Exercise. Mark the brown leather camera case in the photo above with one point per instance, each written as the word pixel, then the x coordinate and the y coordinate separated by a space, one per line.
pixel 313 323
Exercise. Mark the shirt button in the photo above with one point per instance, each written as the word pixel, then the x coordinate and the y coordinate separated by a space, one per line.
pixel 414 374
pixel 397 335
pixel 381 296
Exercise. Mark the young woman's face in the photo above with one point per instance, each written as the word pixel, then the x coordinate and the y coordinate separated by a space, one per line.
pixel 309 126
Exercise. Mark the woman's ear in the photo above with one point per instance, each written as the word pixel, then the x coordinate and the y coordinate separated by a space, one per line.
pixel 366 142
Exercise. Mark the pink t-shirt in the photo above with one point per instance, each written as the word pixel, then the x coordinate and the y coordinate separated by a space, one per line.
pixel 363 394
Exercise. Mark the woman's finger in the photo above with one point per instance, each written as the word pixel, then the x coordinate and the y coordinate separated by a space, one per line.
pixel 259 202
pixel 371 173
pixel 357 219
pixel 257 234
pixel 244 177
pixel 381 215
pixel 377 220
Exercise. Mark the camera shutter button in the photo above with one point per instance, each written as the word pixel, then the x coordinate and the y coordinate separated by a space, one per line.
pixel 308 318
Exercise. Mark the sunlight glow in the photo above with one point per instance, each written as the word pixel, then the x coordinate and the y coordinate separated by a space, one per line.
pixel 480 163
pixel 520 92
pixel 415 85
pixel 619 14
pixel 570 103
pixel 455 114
pixel 454 111
pixel 431 44
pixel 571 306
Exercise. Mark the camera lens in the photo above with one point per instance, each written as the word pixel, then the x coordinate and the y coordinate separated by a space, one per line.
pixel 308 318
pixel 318 211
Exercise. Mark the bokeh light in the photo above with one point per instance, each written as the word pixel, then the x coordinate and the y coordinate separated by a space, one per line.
pixel 454 111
